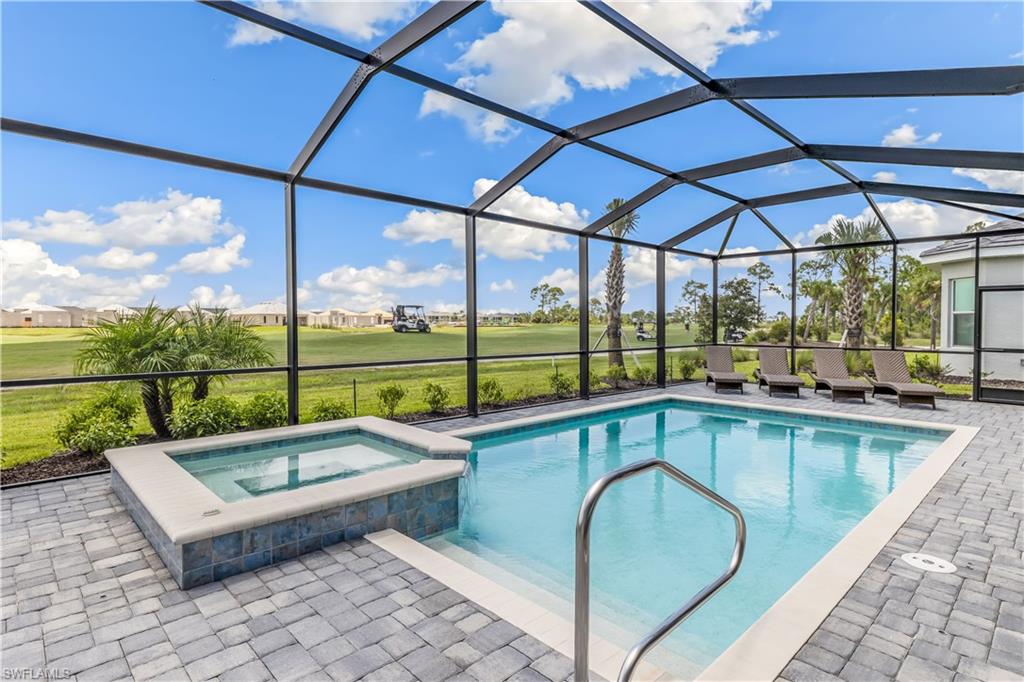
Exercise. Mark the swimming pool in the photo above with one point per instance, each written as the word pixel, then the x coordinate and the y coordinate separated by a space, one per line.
pixel 802 483
pixel 243 471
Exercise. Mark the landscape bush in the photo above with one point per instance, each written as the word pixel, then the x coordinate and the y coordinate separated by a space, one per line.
pixel 928 368
pixel 562 385
pixel 804 360
pixel 265 411
pixel 325 410
pixel 858 363
pixel 96 425
pixel 490 392
pixel 615 376
pixel 645 375
pixel 687 366
pixel 388 398
pixel 436 397
pixel 207 417
pixel 596 382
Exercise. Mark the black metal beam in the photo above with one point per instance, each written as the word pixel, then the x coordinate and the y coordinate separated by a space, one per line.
pixel 655 190
pixel 516 175
pixel 984 211
pixel 12 125
pixel 803 195
pixel 645 111
pixel 659 305
pixel 912 156
pixel 421 29
pixel 728 233
pixel 880 216
pixel 472 351
pixel 291 304
pixel 583 274
pixel 988 80
pixel 970 196
pixel 770 226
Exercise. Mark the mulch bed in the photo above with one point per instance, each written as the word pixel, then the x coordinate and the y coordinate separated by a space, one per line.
pixel 60 464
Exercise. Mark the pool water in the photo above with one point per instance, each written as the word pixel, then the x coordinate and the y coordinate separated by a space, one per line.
pixel 241 472
pixel 801 483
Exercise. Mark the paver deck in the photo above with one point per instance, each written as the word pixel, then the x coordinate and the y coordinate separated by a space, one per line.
pixel 84 595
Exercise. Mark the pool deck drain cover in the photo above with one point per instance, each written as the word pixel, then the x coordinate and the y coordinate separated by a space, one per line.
pixel 926 562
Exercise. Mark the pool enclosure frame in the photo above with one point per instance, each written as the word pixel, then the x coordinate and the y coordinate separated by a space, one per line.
pixel 984 81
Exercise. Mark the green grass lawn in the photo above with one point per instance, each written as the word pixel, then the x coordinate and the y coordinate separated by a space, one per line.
pixel 29 414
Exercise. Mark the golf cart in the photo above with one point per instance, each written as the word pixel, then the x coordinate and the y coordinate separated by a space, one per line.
pixel 409 318
pixel 643 334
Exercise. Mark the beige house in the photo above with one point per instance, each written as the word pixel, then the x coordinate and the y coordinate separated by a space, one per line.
pixel 42 315
pixel 1000 262
pixel 10 318
pixel 445 317
pixel 81 317
pixel 111 313
pixel 267 314
pixel 381 317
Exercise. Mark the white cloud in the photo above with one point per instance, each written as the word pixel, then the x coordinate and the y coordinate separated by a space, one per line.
pixel 507 285
pixel 119 258
pixel 506 241
pixel 208 298
pixel 998 180
pixel 215 260
pixel 884 176
pixel 373 280
pixel 175 218
pixel 481 124
pixel 360 20
pixel 570 47
pixel 29 274
pixel 565 279
pixel 642 269
pixel 906 135
pixel 443 307
pixel 744 263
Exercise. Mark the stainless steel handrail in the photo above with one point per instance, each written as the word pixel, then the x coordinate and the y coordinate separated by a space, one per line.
pixel 581 650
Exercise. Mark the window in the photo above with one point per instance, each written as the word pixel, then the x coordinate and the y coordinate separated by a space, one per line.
pixel 963 311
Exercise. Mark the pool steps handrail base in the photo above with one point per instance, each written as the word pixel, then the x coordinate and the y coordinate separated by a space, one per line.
pixel 583 524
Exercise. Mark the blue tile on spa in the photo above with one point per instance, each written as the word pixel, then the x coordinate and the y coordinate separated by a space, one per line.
pixel 196 554
pixel 250 562
pixel 355 513
pixel 285 552
pixel 376 508
pixel 200 576
pixel 398 522
pixel 413 498
pixel 227 546
pixel 308 525
pixel 258 539
pixel 354 532
pixel 284 532
pixel 332 537
pixel 333 519
pixel 396 502
pixel 309 544
pixel 226 569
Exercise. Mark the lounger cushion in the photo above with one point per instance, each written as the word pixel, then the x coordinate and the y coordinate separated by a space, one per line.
pixel 783 379
pixel 845 384
pixel 912 389
pixel 726 377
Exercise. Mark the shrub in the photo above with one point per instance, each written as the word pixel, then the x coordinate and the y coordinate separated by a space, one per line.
pixel 778 330
pixel 596 381
pixel 804 360
pixel 616 375
pixel 436 396
pixel 388 397
pixel 207 417
pixel 265 411
pixel 94 433
pixel 118 401
pixel 885 326
pixel 741 355
pixel 645 375
pixel 928 368
pixel 687 367
pixel 562 385
pixel 328 410
pixel 490 392
pixel 858 362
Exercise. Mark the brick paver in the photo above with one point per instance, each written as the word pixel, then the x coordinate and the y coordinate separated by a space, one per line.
pixel 84 593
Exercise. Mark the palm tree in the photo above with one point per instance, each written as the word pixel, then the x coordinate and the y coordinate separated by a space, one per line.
pixel 141 343
pixel 853 265
pixel 215 341
pixel 615 281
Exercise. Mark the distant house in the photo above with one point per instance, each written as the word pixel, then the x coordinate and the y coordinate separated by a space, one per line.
pixel 81 317
pixel 267 314
pixel 1001 262
pixel 187 312
pixel 111 313
pixel 10 318
pixel 443 317
pixel 495 319
pixel 42 315
pixel 381 316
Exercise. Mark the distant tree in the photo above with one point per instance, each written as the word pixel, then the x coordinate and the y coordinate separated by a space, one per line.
pixel 689 302
pixel 547 298
pixel 615 282
pixel 597 311
pixel 737 305
pixel 922 287
pixel 762 275
pixel 854 266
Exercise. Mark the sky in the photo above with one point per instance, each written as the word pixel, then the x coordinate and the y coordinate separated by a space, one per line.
pixel 87 227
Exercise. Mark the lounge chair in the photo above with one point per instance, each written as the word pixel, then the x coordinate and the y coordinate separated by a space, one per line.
pixel 774 373
pixel 720 371
pixel 892 377
pixel 830 373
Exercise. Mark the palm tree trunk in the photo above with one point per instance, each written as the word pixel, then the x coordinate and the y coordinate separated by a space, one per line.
pixel 614 295
pixel 809 319
pixel 152 403
pixel 200 387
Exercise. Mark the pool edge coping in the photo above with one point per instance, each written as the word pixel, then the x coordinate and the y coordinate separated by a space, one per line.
pixel 764 649
pixel 177 501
